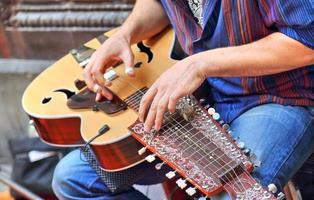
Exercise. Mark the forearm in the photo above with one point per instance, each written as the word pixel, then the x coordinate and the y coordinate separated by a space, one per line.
pixel 273 54
pixel 147 19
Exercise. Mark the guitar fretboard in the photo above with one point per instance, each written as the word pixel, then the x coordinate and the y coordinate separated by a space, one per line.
pixel 196 145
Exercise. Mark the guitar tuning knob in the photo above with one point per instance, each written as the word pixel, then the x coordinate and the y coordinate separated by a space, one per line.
pixel 158 166
pixel 181 183
pixel 150 158
pixel 226 127
pixel 246 151
pixel 281 196
pixel 142 151
pixel 216 116
pixel 257 163
pixel 272 188
pixel 241 145
pixel 171 174
pixel 190 191
pixel 211 111
pixel 206 106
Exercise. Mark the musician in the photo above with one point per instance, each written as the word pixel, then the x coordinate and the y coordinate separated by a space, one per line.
pixel 258 59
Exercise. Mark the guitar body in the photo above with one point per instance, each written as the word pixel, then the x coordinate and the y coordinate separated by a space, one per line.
pixel 45 101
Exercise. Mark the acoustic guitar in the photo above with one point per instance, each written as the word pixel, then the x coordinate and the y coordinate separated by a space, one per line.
pixel 46 101
pixel 191 141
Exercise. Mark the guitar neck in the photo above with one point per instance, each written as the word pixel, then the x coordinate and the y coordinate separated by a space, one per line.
pixel 245 187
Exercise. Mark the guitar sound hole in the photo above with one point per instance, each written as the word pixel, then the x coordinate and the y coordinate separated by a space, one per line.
pixel 46 100
pixel 67 92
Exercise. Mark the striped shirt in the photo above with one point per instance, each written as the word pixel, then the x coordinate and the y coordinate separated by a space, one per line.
pixel 236 22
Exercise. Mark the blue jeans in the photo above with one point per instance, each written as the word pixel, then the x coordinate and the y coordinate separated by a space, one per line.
pixel 282 137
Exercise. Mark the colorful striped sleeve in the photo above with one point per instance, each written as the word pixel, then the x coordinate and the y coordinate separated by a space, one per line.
pixel 294 18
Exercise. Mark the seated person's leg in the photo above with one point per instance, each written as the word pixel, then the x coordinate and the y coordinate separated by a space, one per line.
pixel 75 179
pixel 280 136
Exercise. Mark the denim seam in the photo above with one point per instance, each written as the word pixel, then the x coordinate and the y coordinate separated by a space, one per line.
pixel 288 156
pixel 90 185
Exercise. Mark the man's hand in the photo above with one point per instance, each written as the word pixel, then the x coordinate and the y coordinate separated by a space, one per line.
pixel 116 49
pixel 181 79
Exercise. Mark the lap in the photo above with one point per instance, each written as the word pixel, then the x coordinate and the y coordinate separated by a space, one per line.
pixel 280 136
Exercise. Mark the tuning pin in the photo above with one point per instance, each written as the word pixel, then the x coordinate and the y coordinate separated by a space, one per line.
pixel 158 166
pixel 190 191
pixel 181 183
pixel 266 195
pixel 241 145
pixel 206 106
pixel 150 158
pixel 226 127
pixel 246 151
pixel 211 111
pixel 216 116
pixel 171 174
pixel 281 196
pixel 272 188
pixel 257 163
pixel 142 151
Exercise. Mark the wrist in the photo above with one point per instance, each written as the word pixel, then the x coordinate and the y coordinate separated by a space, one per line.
pixel 124 35
pixel 199 64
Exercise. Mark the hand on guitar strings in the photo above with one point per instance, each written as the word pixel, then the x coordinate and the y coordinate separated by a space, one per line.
pixel 116 49
pixel 180 80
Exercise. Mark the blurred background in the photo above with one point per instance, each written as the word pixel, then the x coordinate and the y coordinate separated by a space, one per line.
pixel 33 35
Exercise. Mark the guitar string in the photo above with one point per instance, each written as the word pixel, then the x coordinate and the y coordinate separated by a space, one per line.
pixel 182 132
pixel 215 172
pixel 183 139
pixel 135 97
pixel 139 90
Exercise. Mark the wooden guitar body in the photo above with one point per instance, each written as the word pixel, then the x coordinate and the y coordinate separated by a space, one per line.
pixel 45 101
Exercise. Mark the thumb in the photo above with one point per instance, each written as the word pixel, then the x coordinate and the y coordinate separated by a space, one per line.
pixel 128 60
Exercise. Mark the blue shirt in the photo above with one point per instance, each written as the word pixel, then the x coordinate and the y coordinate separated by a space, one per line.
pixel 237 22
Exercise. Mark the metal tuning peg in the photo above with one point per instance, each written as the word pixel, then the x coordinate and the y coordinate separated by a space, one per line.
pixel 142 151
pixel 190 191
pixel 281 196
pixel 241 145
pixel 158 166
pixel 216 116
pixel 257 163
pixel 211 111
pixel 181 183
pixel 272 188
pixel 226 127
pixel 246 151
pixel 150 158
pixel 171 174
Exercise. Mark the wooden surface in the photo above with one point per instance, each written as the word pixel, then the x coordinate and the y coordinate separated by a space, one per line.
pixel 65 71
